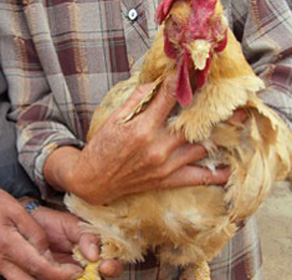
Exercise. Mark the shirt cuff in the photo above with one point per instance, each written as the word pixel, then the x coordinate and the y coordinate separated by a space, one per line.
pixel 47 192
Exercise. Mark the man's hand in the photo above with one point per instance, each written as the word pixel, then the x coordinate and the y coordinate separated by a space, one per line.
pixel 63 234
pixel 25 246
pixel 24 249
pixel 132 157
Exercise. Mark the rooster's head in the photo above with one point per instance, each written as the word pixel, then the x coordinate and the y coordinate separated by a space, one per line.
pixel 194 30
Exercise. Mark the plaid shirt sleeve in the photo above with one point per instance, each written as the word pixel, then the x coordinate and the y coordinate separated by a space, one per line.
pixel 59 59
pixel 265 29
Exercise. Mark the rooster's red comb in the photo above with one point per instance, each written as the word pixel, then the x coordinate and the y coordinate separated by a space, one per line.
pixel 202 9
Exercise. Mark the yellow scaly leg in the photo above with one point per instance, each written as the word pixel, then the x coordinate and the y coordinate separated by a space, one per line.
pixel 198 271
pixel 202 272
pixel 91 272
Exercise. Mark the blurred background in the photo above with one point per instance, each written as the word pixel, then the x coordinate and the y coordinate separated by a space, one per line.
pixel 275 226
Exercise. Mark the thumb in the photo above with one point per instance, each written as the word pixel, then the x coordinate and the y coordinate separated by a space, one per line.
pixel 88 243
pixel 89 246
pixel 111 268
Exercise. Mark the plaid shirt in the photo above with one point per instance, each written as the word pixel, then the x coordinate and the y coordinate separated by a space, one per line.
pixel 60 57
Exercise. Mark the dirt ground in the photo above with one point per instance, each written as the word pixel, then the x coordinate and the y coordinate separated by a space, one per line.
pixel 275 225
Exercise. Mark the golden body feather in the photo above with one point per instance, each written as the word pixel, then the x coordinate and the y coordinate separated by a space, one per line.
pixel 192 224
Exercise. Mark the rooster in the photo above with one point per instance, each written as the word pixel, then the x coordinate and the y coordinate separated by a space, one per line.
pixel 191 225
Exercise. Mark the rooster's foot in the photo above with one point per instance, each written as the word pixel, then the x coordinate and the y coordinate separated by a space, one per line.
pixel 199 271
pixel 91 271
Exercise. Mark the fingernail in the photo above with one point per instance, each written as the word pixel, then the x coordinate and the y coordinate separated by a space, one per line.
pixel 77 275
pixel 78 272
pixel 92 252
pixel 107 269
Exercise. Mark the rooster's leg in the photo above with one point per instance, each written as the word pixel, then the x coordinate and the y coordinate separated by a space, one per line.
pixel 199 271
pixel 91 272
pixel 91 269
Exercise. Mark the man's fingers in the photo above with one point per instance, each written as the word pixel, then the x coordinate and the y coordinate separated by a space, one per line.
pixel 88 243
pixel 165 100
pixel 64 258
pixel 186 154
pixel 89 247
pixel 195 176
pixel 12 272
pixel 31 230
pixel 159 108
pixel 111 268
pixel 239 116
pixel 26 225
pixel 135 98
pixel 29 259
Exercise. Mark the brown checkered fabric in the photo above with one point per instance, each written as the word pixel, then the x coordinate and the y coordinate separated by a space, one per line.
pixel 60 57
pixel 239 260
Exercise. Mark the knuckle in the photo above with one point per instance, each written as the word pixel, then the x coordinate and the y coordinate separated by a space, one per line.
pixel 207 178
pixel 142 135
pixel 3 259
pixel 168 94
pixel 156 157
pixel 5 245
pixel 169 87
pixel 163 172
pixel 40 239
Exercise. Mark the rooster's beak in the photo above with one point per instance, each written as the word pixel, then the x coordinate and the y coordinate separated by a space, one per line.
pixel 200 52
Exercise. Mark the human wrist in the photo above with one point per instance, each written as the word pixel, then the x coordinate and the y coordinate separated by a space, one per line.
pixel 59 167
